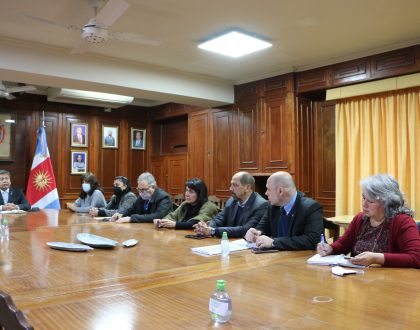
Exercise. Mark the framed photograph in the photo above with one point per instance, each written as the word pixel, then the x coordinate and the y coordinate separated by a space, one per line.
pixel 78 162
pixel 138 139
pixel 79 135
pixel 109 136
pixel 7 136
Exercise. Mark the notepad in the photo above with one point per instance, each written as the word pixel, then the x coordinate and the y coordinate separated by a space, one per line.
pixel 332 260
pixel 212 250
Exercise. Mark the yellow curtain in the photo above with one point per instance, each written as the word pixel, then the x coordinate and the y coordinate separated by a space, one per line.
pixel 377 134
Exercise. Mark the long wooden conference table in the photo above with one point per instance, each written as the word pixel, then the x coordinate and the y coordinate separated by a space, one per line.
pixel 161 284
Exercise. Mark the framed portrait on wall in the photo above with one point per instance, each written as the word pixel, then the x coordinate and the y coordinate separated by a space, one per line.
pixel 109 136
pixel 138 139
pixel 7 136
pixel 78 162
pixel 79 135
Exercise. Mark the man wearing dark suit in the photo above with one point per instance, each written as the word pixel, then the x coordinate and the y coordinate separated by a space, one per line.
pixel 292 221
pixel 11 198
pixel 109 139
pixel 242 211
pixel 79 137
pixel 153 202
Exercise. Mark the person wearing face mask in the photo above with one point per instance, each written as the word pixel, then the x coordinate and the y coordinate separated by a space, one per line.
pixel 90 196
pixel 122 199
pixel 153 202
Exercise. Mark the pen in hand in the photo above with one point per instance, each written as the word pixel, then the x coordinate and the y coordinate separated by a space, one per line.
pixel 323 245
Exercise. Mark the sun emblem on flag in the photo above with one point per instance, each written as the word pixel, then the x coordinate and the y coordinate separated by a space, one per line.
pixel 42 180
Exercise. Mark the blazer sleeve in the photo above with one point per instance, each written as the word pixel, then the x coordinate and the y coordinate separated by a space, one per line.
pixel 311 216
pixel 163 206
pixel 125 204
pixel 23 203
pixel 254 217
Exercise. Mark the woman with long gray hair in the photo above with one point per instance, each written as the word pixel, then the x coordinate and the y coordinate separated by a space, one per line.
pixel 384 232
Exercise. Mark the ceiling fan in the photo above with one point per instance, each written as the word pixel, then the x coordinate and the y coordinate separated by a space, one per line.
pixel 97 29
pixel 6 92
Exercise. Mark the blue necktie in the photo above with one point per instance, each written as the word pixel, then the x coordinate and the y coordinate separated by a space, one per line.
pixel 146 205
pixel 282 225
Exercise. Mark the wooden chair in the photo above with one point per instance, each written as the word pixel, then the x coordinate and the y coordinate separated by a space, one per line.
pixel 178 199
pixel 219 202
pixel 10 317
pixel 332 228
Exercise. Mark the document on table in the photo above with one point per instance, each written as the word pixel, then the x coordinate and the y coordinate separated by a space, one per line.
pixel 332 260
pixel 13 212
pixel 212 250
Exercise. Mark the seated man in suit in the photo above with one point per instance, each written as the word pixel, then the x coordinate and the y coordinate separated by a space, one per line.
pixel 11 198
pixel 153 202
pixel 292 221
pixel 242 211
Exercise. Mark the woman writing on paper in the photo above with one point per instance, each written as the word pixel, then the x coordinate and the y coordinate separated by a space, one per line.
pixel 90 196
pixel 195 208
pixel 384 232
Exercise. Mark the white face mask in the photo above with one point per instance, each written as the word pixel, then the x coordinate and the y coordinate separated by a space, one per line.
pixel 86 187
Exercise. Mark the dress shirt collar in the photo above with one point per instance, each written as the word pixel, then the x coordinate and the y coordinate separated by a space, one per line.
pixel 288 207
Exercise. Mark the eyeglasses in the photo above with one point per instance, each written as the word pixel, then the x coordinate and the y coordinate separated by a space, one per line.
pixel 142 190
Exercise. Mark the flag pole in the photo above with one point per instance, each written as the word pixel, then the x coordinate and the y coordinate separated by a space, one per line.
pixel 43 119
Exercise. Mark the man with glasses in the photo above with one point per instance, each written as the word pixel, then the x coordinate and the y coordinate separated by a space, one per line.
pixel 292 221
pixel 11 198
pixel 153 202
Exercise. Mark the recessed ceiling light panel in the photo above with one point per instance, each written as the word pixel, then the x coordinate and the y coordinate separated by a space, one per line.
pixel 234 44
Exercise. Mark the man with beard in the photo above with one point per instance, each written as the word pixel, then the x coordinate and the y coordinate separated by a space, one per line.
pixel 242 211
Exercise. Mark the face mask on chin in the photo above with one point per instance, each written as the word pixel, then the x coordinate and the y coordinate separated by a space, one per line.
pixel 145 195
pixel 86 187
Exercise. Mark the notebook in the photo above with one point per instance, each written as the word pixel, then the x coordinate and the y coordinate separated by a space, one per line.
pixel 332 260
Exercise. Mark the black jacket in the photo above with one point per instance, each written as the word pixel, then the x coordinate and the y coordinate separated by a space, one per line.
pixel 305 227
pixel 252 213
pixel 17 197
pixel 159 205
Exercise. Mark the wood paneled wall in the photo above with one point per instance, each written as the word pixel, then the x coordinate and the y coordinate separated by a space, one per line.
pixel 104 163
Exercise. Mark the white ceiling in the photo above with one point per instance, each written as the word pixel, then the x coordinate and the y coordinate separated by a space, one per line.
pixel 305 34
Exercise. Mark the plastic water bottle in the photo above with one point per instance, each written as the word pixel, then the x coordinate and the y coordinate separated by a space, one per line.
pixel 5 229
pixel 224 244
pixel 220 304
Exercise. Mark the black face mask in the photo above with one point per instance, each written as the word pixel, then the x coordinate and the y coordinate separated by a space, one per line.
pixel 118 191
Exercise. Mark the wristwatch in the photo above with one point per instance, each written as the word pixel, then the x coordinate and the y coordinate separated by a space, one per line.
pixel 212 232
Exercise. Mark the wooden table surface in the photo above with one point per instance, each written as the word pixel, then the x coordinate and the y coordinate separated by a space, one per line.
pixel 160 284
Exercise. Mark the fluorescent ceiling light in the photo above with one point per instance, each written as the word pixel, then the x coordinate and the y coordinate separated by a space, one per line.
pixel 87 97
pixel 234 44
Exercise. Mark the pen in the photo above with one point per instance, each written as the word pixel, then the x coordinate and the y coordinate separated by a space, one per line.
pixel 323 245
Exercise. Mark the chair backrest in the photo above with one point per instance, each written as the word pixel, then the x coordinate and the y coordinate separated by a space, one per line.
pixel 178 199
pixel 333 229
pixel 10 317
pixel 219 202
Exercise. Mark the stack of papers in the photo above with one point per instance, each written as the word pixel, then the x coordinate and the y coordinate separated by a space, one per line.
pixel 213 250
pixel 332 260
pixel 13 212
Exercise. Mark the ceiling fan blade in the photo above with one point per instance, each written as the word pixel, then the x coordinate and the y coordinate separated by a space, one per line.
pixel 81 48
pixel 2 87
pixel 10 97
pixel 45 21
pixel 112 11
pixel 6 95
pixel 134 38
pixel 18 89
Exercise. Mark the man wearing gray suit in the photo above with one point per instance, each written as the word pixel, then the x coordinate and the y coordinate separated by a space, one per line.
pixel 242 211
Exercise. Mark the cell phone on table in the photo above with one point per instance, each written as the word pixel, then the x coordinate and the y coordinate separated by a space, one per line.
pixel 263 250
pixel 197 236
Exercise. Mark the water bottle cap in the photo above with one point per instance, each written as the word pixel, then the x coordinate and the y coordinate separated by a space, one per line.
pixel 224 235
pixel 5 222
pixel 220 284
